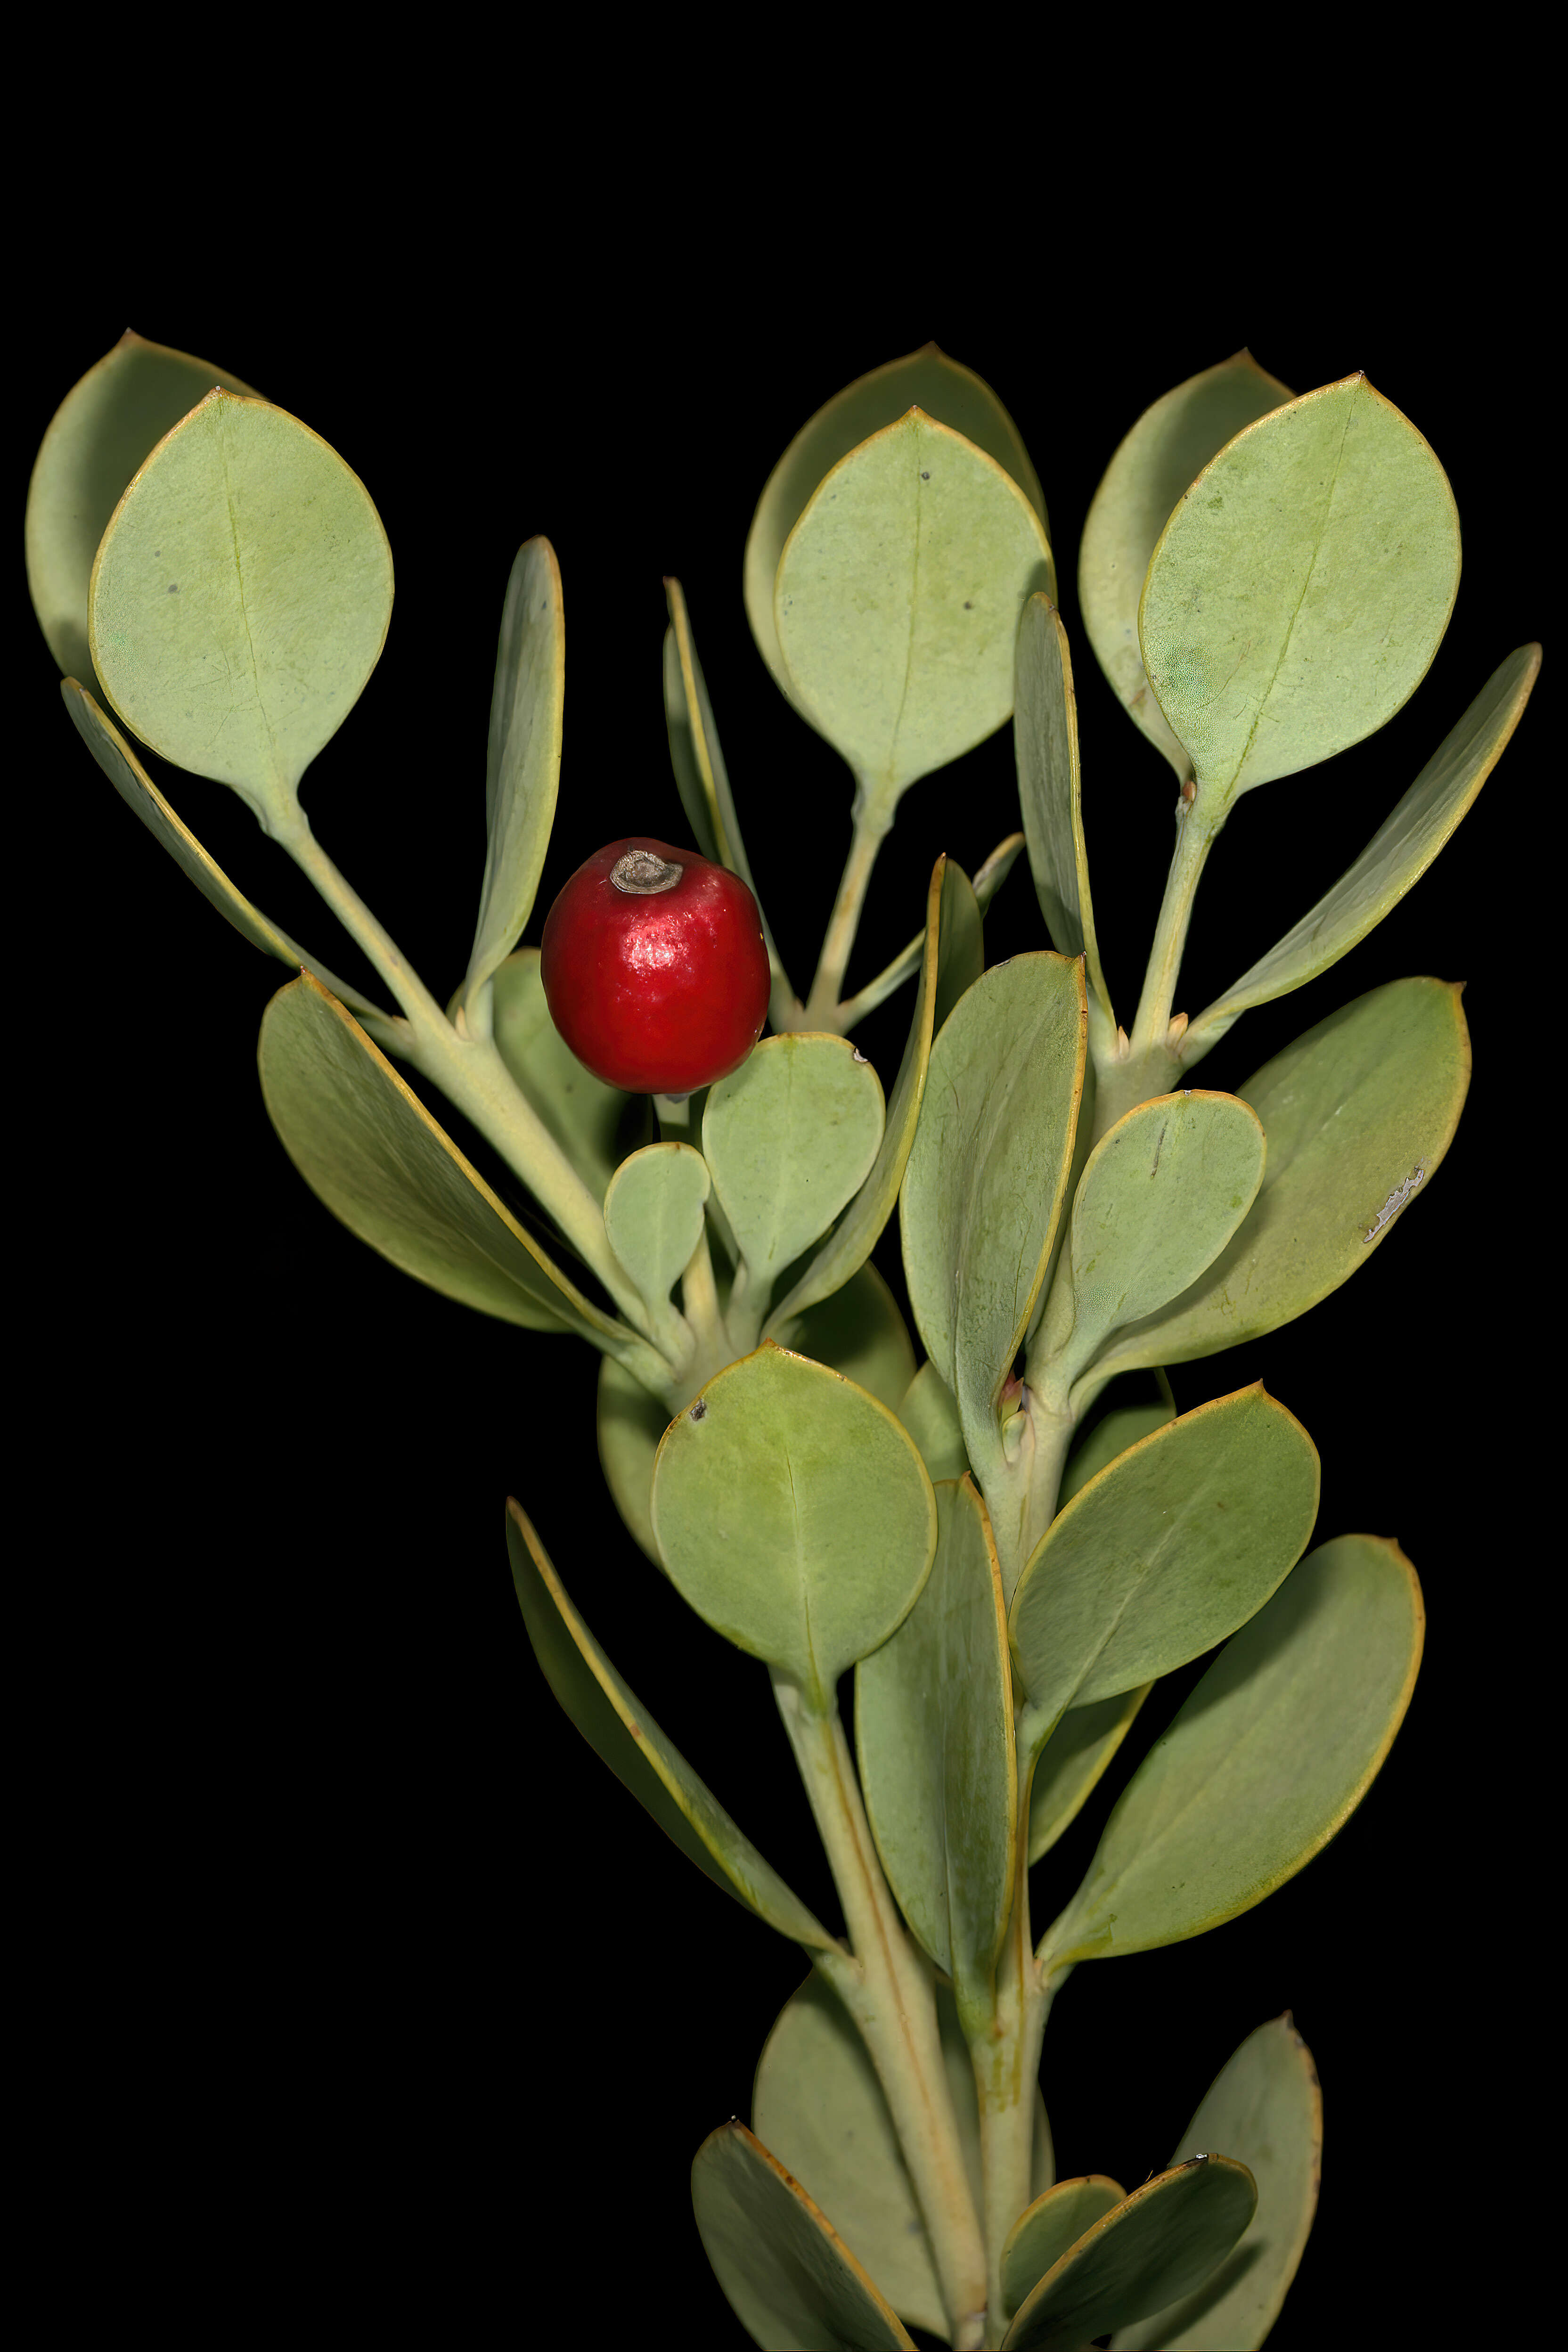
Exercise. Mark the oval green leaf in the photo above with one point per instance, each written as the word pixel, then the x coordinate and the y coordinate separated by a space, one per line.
pixel 897 599
pixel 934 1742
pixel 240 599
pixel 1357 1113
pixel 523 759
pixel 790 1137
pixel 1161 1195
pixel 1179 1541
pixel 102 432
pixel 620 1730
pixel 1265 2110
pixel 988 1177
pixel 795 1516
pixel 136 788
pixel 368 1148
pixel 1158 2244
pixel 653 1218
pixel 1397 856
pixel 1050 790
pixel 1271 1753
pixel 1111 1434
pixel 1159 459
pixel 818 2106
pixel 788 2275
pixel 926 379
pixel 1044 2229
pixel 1301 589
pixel 1072 1762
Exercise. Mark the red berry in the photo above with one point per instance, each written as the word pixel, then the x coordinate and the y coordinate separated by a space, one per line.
pixel 655 968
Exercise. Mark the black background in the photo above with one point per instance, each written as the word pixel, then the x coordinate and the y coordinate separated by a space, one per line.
pixel 419 2000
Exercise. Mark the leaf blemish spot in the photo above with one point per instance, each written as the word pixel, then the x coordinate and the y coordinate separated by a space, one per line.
pixel 699 1411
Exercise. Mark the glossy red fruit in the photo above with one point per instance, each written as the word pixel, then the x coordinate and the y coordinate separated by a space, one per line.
pixel 655 968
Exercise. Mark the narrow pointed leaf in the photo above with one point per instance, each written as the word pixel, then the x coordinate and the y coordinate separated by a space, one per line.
pixel 1051 793
pixel 103 429
pixel 1265 2109
pixel 523 763
pixel 818 2104
pixel 618 1728
pixel 368 1148
pixel 987 881
pixel 934 1741
pixel 1072 1762
pixel 1179 1541
pixel 590 1121
pixel 1044 2229
pixel 794 1513
pixel 1161 1195
pixel 1159 459
pixel 136 786
pixel 1268 1758
pixel 788 2277
pixel 1301 589
pixel 897 603
pixel 858 1330
pixel 240 599
pixel 1158 2244
pixel 926 379
pixel 1397 856
pixel 653 1217
pixel 988 1177
pixel 859 1229
pixel 790 1137
pixel 1357 1114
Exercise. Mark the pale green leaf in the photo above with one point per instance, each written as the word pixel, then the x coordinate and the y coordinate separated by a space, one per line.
pixel 1111 1434
pixel 1158 460
pixel 1301 589
pixel 1158 2244
pixel 1044 2229
pixel 523 763
pixel 1072 1762
pixel 590 1121
pixel 1044 743
pixel 928 1411
pixel 240 599
pixel 653 1217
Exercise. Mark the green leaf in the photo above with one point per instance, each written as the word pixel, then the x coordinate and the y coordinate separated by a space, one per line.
pixel 930 1416
pixel 925 378
pixel 240 599
pixel 1161 1195
pixel 795 1516
pixel 1158 460
pixel 1301 589
pixel 1044 2229
pixel 1073 1761
pixel 988 1177
pixel 100 435
pixel 136 788
pixel 790 1137
pixel 1158 2244
pixel 1265 2109
pixel 897 603
pixel 1179 1541
pixel 1111 1434
pixel 818 2106
pixel 1397 856
pixel 1044 743
pixel 522 760
pixel 618 1728
pixel 1355 1110
pixel 1269 1755
pixel 934 1741
pixel 653 1217
pixel 963 951
pixel 858 1330
pixel 857 1232
pixel 368 1148
pixel 788 2277
pixel 586 1118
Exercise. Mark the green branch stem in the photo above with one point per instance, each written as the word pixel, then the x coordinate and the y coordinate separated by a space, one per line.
pixel 1006 2059
pixel 1195 838
pixel 470 1072
pixel 889 1989
pixel 873 821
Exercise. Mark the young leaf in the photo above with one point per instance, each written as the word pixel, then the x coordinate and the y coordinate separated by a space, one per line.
pixel 1159 459
pixel 795 1516
pixel 240 599
pixel 1158 2244
pixel 653 1218
pixel 1269 1755
pixel 1044 2231
pixel 1301 589
pixel 523 763
pixel 1044 743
